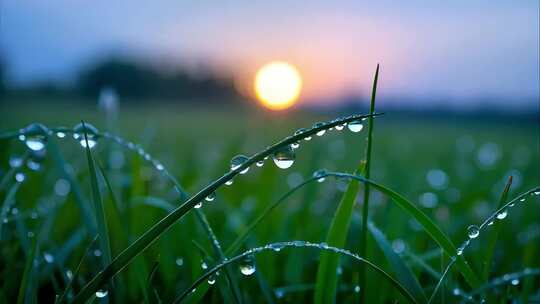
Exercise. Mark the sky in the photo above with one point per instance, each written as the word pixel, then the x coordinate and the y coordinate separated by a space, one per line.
pixel 457 52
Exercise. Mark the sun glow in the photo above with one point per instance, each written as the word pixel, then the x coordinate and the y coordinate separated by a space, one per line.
pixel 278 85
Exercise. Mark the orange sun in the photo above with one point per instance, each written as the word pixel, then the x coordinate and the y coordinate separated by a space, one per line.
pixel 278 85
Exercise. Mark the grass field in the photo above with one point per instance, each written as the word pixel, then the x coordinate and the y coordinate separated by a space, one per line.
pixel 453 170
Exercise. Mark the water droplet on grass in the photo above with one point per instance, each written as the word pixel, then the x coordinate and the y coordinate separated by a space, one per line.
pixel 357 288
pixel 198 205
pixel 49 258
pixel 35 136
pixel 473 231
pixel 502 215
pixel 15 162
pixel 229 182
pixel 320 175
pixel 277 247
pixel 19 177
pixel 60 134
pixel 284 157
pixel 321 132
pixel 515 282
pixel 238 161
pixel 204 265
pixel 247 265
pixel 210 197
pixel 260 163
pixel 101 293
pixel 295 145
pixel 340 127
pixel 212 280
pixel 91 134
pixel 355 126
pixel 179 262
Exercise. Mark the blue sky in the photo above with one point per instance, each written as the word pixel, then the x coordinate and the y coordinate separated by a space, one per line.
pixel 428 50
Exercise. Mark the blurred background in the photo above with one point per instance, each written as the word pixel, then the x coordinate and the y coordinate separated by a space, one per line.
pixel 457 56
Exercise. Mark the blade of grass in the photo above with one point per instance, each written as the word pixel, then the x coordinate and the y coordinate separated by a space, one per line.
pixel 153 233
pixel 403 273
pixel 298 244
pixel 8 201
pixel 150 289
pixel 27 273
pixel 101 221
pixel 326 283
pixel 365 206
pixel 427 224
pixel 494 234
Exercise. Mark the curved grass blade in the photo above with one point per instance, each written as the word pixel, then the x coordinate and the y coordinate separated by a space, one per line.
pixel 8 201
pixel 326 283
pixel 27 273
pixel 494 234
pixel 427 224
pixel 365 207
pixel 151 235
pixel 98 205
pixel 403 273
pixel 277 247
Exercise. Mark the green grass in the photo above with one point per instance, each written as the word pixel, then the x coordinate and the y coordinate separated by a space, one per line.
pixel 157 243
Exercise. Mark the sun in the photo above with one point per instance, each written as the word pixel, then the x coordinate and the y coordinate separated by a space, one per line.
pixel 278 85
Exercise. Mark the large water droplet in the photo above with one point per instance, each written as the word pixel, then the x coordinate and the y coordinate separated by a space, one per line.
pixel 321 132
pixel 238 161
pixel 320 175
pixel 35 136
pixel 198 205
pixel 211 197
pixel 212 279
pixel 247 265
pixel 260 163
pixel 473 231
pixel 101 293
pixel 284 157
pixel 355 126
pixel 502 215
pixel 91 134
pixel 340 127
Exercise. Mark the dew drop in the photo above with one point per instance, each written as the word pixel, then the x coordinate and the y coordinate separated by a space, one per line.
pixel 212 279
pixel 198 205
pixel 307 138
pixel 473 231
pixel 320 175
pixel 204 266
pixel 277 247
pixel 91 134
pixel 49 258
pixel 357 287
pixel 537 193
pixel 502 215
pixel 522 200
pixel 158 166
pixel 355 126
pixel 490 223
pixel 60 134
pixel 238 161
pixel 320 132
pixel 19 177
pixel 247 265
pixel 460 250
pixel 69 274
pixel 211 197
pixel 260 163
pixel 515 282
pixel 295 145
pixel 15 162
pixel 284 157
pixel 97 253
pixel 35 136
pixel 179 262
pixel 101 293
pixel 229 182
pixel 340 127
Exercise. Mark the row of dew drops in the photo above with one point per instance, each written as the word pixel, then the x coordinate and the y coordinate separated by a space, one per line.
pixel 473 231
pixel 247 265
